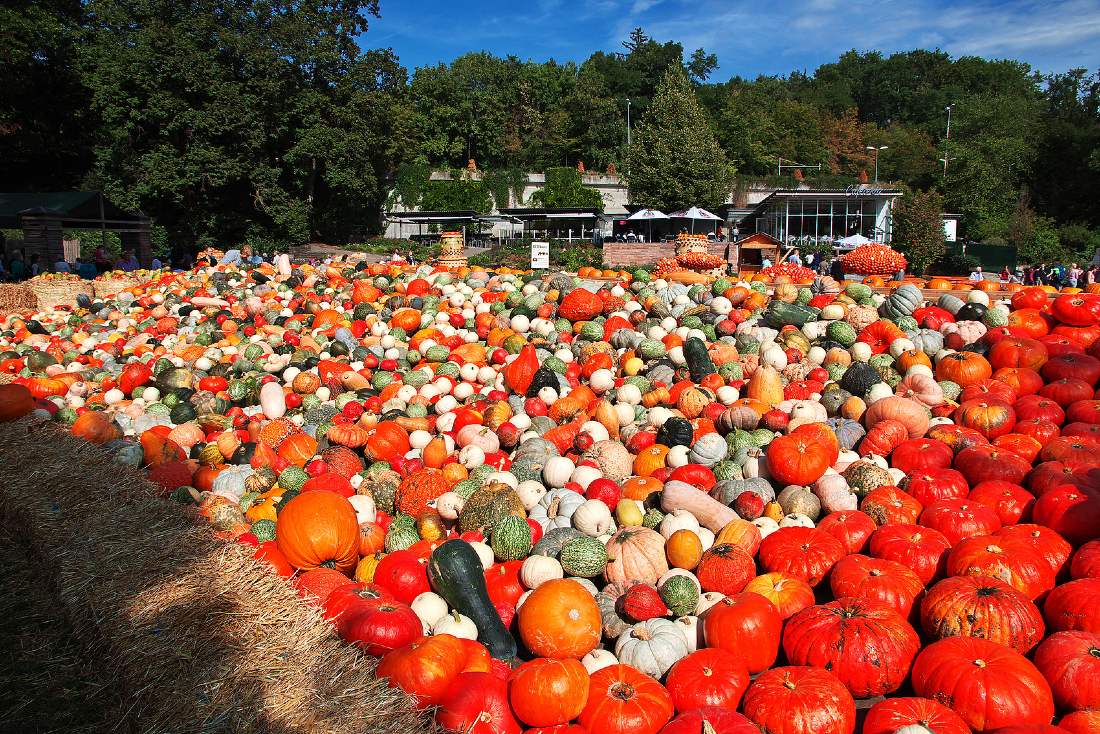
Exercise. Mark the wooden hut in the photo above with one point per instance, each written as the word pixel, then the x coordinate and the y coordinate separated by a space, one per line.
pixel 747 254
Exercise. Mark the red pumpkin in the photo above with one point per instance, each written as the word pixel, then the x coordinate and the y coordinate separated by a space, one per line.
pixel 1019 444
pixel 725 568
pixel 386 440
pixel 1058 344
pixel 957 438
pixel 883 438
pixel 928 485
pixel 1051 547
pixel 877 579
pixel 981 606
pixel 747 626
pixel 1072 512
pixel 893 714
pixel 1081 722
pixel 922 550
pixel 797 458
pixel 502 581
pixel 1010 559
pixel 1070 662
pixel 708 677
pixel 340 598
pixel 377 626
pixel 425 668
pixel 16 401
pixel 1077 309
pixel 1051 474
pixel 1086 336
pixel 1016 353
pixel 1011 502
pixel 790 595
pixel 851 527
pixel 1067 391
pixel 887 505
pixel 990 686
pixel 546 692
pixel 1084 449
pixel 800 700
pixel 621 699
pixel 987 463
pixel 404 574
pixel 1074 605
pixel 807 553
pixel 963 368
pixel 1084 411
pixel 989 389
pixel 268 554
pixel 319 528
pixel 991 418
pixel 1035 322
pixel 477 703
pixel 720 720
pixel 842 636
pixel 1086 561
pixel 960 519
pixel 1042 431
pixel 921 453
pixel 1023 381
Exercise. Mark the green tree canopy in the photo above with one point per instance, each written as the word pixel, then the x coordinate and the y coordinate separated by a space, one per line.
pixel 918 228
pixel 675 161
pixel 565 188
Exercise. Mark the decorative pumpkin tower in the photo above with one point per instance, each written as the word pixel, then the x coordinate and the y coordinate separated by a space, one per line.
pixel 692 255
pixel 451 250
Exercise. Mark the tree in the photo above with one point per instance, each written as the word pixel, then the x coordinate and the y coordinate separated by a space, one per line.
pixel 564 189
pixel 918 228
pixel 241 122
pixel 675 161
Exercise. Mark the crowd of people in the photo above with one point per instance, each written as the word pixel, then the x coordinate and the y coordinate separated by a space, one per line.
pixel 1061 276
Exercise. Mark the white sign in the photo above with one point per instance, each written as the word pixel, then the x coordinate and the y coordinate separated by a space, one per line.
pixel 540 255
pixel 863 190
pixel 949 228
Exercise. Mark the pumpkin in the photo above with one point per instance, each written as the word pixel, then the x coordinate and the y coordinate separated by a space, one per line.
pixel 843 635
pixel 980 606
pixel 1009 559
pixel 922 550
pixel 425 668
pixel 990 686
pixel 560 619
pixel 806 553
pixel 725 568
pixel 1074 606
pixel 908 412
pixel 97 427
pixel 765 386
pixel 789 594
pixel 17 401
pixel 746 625
pixel 1068 661
pixel 963 368
pixel 877 579
pixel 547 692
pixel 635 554
pixel 318 529
pixel 912 716
pixel 622 699
pixel 652 646
pixel 797 459
pixel 800 700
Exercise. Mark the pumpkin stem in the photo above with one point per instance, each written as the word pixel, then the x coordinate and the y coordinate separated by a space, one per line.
pixel 641 633
pixel 330 563
pixel 980 663
pixel 708 728
pixel 1095 652
pixel 622 691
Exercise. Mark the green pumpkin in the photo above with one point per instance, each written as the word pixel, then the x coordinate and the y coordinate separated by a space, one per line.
pixel 511 538
pixel 583 556
pixel 680 594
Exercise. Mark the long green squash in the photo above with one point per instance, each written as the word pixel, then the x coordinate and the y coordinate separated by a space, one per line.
pixel 456 574
pixel 698 359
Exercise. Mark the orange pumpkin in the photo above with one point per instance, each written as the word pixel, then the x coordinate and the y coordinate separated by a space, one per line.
pixel 298 449
pixel 318 529
pixel 16 401
pixel 97 427
pixel 559 619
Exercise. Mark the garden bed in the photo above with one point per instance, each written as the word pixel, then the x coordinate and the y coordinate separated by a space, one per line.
pixel 191 632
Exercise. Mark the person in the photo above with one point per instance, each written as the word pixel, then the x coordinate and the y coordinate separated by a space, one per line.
pixel 61 266
pixel 128 263
pixel 765 262
pixel 86 269
pixel 836 270
pixel 631 237
pixel 1029 275
pixel 1074 275
pixel 977 276
pixel 900 275
pixel 1090 275
pixel 35 267
pixel 1041 274
pixel 794 258
pixel 412 258
pixel 18 267
pixel 397 257
pixel 735 234
pixel 1005 275
pixel 185 260
pixel 208 258
pixel 1057 275
pixel 101 265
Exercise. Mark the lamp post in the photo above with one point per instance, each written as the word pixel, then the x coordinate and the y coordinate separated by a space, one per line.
pixel 871 147
pixel 628 136
pixel 947 141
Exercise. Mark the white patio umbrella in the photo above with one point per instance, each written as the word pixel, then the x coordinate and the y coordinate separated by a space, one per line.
pixel 854 241
pixel 647 215
pixel 695 213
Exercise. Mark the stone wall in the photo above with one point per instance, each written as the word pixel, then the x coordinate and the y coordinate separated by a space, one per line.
pixel 637 253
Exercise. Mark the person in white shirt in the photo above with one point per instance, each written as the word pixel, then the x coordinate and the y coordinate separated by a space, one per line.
pixel 977 276
pixel 794 258
pixel 765 263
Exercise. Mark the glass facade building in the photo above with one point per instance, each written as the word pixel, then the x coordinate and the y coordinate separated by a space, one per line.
pixel 803 216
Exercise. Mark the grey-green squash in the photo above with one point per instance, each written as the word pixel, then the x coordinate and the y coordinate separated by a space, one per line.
pixel 583 556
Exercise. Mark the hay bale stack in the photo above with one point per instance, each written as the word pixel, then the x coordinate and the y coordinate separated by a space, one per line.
pixel 196 635
pixel 17 298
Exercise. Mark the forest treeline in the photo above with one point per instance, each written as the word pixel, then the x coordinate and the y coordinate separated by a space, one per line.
pixel 266 122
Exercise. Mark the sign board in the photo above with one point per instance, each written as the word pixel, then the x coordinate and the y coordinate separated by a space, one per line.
pixel 540 255
pixel 949 228
pixel 864 190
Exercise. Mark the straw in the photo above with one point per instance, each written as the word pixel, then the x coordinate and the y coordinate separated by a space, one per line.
pixel 193 634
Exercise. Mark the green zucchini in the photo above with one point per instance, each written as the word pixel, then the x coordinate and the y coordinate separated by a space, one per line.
pixel 698 359
pixel 456 574
pixel 780 314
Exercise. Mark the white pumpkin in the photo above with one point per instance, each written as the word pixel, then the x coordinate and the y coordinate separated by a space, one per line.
pixel 365 510
pixel 809 410
pixel 629 394
pixel 727 395
pixel 537 570
pixel 834 493
pixel 678 456
pixel 585 475
pixel 693 632
pixel 899 346
pixel 766 526
pixel 485 553
pixel 601 381
pixel 706 601
pixel 977 296
pixel 756 465
pixel 557 470
pixel 530 493
pixel 774 357
pixel 593 518
pixel 678 520
pixel 652 646
pixel 920 369
pixel 556 508
pixel 710 449
pixel 861 351
pixel 449 504
pixel 598 659
pixel 430 607
pixel 457 625
pixel 796 520
pixel 878 392
pixel 625 413
pixel 706 537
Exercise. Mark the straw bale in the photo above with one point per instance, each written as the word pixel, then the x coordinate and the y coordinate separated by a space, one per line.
pixel 17 298
pixel 196 636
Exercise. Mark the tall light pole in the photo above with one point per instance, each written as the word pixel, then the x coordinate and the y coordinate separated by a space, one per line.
pixel 947 140
pixel 871 147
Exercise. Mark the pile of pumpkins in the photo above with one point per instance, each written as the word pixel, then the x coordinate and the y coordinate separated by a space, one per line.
pixel 629 506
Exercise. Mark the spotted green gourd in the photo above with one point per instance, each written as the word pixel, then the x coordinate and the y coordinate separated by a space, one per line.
pixel 650 349
pixel 527 471
pixel 415 378
pixel 720 286
pixel 680 594
pixel 416 410
pixel 592 331
pixel 511 538
pixel 652 518
pixel 264 530
pixel 556 364
pixel 881 360
pixel 906 323
pixel 740 439
pixel 437 353
pixel 447 369
pixel 381 379
pixel 481 472
pixel 466 487
pixel 763 436
pixel 951 390
pixel 725 470
pixel 401 534
pixel 995 317
pixel 584 556
pixel 856 291
pixel 841 332
pixel 863 477
pixel 759 287
pixel 836 370
pixel 292 478
pixel 731 371
pixel 639 382
pixel 804 297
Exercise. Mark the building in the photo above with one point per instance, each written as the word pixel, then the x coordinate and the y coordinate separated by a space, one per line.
pixel 799 216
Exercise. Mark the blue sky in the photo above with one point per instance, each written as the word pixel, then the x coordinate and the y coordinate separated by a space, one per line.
pixel 749 38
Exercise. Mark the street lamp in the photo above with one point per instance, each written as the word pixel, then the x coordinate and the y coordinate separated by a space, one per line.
pixel 628 136
pixel 871 147
pixel 947 141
